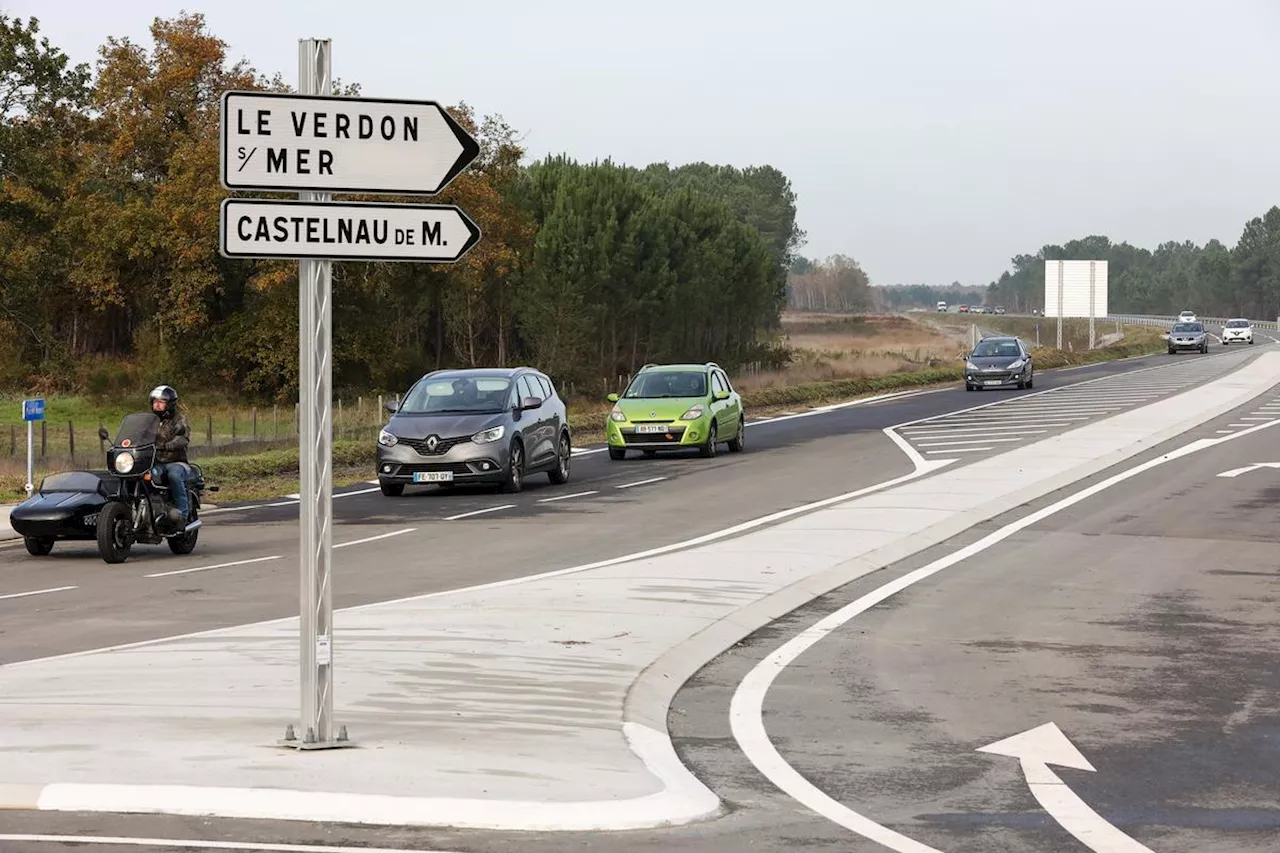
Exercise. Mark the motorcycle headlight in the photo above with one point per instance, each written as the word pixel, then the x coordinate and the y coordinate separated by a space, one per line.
pixel 124 463
pixel 487 435
pixel 386 439
pixel 617 415
pixel 693 414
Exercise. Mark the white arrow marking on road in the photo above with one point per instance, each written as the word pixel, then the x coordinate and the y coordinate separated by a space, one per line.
pixel 1236 472
pixel 1036 749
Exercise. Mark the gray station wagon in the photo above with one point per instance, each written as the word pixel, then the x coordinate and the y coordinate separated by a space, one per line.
pixel 481 425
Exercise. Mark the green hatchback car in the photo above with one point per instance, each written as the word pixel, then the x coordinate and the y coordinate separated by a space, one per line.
pixel 676 407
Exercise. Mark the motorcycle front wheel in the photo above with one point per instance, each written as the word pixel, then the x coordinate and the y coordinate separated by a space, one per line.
pixel 115 532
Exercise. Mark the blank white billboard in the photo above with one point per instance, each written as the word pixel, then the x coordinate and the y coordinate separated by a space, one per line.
pixel 1075 288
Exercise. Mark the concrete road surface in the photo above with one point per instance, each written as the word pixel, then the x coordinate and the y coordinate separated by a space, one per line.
pixel 1140 622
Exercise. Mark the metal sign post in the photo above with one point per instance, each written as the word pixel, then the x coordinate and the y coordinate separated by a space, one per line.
pixel 32 411
pixel 315 144
pixel 315 454
pixel 1061 301
pixel 1093 295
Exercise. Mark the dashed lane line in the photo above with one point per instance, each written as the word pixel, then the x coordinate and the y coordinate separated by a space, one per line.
pixel 641 483
pixel 208 568
pixel 567 497
pixel 377 538
pixel 463 515
pixel 38 592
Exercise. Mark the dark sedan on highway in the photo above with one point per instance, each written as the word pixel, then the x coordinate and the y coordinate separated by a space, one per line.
pixel 492 426
pixel 1188 336
pixel 997 362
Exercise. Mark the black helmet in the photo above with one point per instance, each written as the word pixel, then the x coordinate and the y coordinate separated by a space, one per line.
pixel 166 393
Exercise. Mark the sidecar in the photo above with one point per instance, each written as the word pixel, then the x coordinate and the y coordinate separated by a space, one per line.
pixel 65 506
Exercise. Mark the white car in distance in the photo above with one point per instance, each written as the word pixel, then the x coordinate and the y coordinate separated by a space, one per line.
pixel 1187 317
pixel 1238 330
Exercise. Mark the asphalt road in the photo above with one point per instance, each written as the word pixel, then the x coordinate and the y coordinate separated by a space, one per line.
pixel 1142 659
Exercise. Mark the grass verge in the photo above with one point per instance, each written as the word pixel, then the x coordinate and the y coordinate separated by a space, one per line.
pixel 269 474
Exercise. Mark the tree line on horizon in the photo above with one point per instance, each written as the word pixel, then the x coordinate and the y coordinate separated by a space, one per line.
pixel 1212 280
pixel 110 274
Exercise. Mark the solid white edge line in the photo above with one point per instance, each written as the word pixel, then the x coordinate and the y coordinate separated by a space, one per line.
pixel 37 592
pixel 641 483
pixel 479 512
pixel 207 568
pixel 196 844
pixel 377 538
pixel 746 709
pixel 568 497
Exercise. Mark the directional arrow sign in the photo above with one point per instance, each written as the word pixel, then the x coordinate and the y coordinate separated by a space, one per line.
pixel 1036 749
pixel 345 231
pixel 1236 472
pixel 310 143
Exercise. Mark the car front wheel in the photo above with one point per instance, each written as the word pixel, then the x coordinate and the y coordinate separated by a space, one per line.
pixel 515 470
pixel 559 475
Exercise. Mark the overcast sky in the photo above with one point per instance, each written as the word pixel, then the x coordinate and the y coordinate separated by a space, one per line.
pixel 930 139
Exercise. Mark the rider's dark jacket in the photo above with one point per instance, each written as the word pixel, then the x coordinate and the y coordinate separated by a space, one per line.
pixel 172 439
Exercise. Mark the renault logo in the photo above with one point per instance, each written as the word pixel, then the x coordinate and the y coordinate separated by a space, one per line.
pixel 432 441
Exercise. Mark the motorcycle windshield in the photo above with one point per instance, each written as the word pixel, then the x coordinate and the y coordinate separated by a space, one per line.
pixel 138 428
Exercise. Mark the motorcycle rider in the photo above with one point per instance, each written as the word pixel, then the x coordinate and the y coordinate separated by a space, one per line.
pixel 172 438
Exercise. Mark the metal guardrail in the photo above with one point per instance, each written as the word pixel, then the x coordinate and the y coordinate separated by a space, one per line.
pixel 1158 320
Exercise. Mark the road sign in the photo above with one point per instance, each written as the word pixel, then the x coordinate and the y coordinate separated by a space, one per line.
pixel 33 410
pixel 321 143
pixel 349 231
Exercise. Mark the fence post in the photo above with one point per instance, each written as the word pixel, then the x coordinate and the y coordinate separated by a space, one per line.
pixel 233 425
pixel 275 420
pixel 13 440
pixel 381 408
pixel 338 429
pixel 255 423
pixel 71 432
pixel 102 445
pixel 209 430
pixel 44 439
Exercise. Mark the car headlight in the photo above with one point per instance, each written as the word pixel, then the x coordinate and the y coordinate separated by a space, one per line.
pixel 386 439
pixel 969 365
pixel 486 436
pixel 124 463
pixel 693 414
pixel 617 415
pixel 1017 364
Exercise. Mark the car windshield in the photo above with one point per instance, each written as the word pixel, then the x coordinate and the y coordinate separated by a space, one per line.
pixel 1237 324
pixel 1188 327
pixel 460 395
pixel 71 481
pixel 997 349
pixel 138 429
pixel 668 383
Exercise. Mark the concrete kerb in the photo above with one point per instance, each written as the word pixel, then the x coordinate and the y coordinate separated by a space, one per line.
pixel 683 798
pixel 649 700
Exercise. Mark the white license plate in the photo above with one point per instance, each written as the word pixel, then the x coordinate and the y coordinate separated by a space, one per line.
pixel 651 428
pixel 995 381
pixel 433 476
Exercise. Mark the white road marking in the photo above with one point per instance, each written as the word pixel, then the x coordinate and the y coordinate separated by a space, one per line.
pixel 1035 750
pixel 196 844
pixel 479 512
pixel 746 710
pixel 968 441
pixel 642 483
pixel 207 568
pixel 38 592
pixel 958 450
pixel 1255 418
pixel 1226 431
pixel 1236 472
pixel 977 431
pixel 377 538
pixel 567 497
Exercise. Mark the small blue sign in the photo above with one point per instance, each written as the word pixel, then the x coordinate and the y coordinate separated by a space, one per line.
pixel 33 410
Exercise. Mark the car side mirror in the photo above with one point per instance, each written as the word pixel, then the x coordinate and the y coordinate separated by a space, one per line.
pixel 530 403
pixel 103 434
pixel 722 395
pixel 393 406
pixel 612 398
